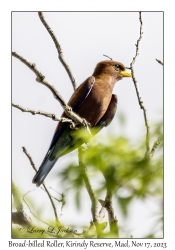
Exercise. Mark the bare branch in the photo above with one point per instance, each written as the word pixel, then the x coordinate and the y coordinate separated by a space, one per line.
pixel 52 203
pixel 108 57
pixel 138 41
pixel 136 87
pixel 107 205
pixel 113 222
pixel 30 159
pixel 159 61
pixel 41 79
pixel 59 49
pixel 155 145
pixel 102 211
pixel 39 112
pixel 97 217
pixel 94 200
pixel 21 218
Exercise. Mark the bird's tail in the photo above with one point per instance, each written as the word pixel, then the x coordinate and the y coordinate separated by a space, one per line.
pixel 43 171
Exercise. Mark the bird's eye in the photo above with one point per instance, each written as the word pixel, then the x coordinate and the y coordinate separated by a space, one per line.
pixel 117 66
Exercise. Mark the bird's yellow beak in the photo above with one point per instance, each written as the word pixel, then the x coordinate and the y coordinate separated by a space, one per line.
pixel 125 73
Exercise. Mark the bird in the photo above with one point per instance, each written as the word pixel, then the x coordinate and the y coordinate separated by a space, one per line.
pixel 93 101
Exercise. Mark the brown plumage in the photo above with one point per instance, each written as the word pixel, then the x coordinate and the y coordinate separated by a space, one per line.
pixel 90 101
pixel 96 103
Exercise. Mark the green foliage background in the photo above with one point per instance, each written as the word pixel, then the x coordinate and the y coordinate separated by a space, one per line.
pixel 122 164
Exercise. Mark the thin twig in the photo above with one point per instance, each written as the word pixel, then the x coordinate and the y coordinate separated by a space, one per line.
pixel 94 200
pixel 74 235
pixel 136 87
pixel 107 205
pixel 30 208
pixel 39 112
pixel 62 200
pixel 155 145
pixel 52 203
pixel 138 41
pixel 113 222
pixel 30 159
pixel 21 218
pixel 102 211
pixel 41 79
pixel 159 61
pixel 30 223
pixel 107 57
pixel 59 49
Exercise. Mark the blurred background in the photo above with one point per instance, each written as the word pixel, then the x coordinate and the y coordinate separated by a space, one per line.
pixel 85 37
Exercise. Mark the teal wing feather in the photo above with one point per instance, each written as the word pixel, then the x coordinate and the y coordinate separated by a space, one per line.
pixel 62 139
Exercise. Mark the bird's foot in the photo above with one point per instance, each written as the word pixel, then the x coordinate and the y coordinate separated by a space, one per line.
pixel 73 125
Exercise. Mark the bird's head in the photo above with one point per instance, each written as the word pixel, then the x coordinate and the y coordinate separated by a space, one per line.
pixel 111 68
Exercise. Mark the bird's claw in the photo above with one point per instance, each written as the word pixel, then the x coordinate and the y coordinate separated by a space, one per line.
pixel 87 125
pixel 73 126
